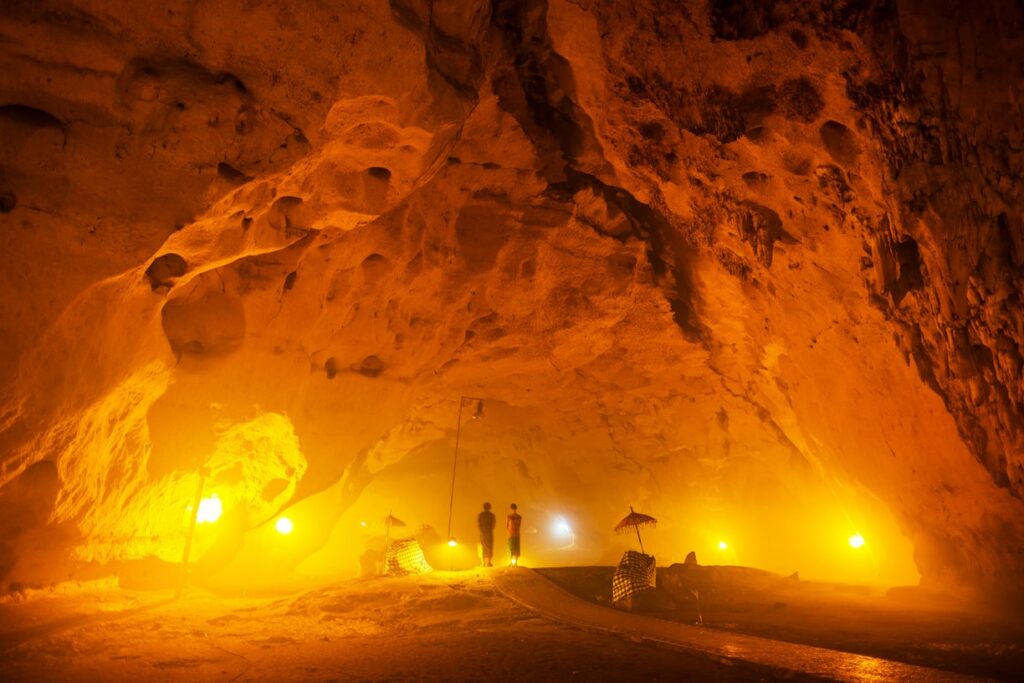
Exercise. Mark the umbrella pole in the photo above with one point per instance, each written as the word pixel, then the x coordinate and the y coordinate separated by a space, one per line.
pixel 387 537
pixel 637 527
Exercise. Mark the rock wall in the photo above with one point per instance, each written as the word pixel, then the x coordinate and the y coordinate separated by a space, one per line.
pixel 757 262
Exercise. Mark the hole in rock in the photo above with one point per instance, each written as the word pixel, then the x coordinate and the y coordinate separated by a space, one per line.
pixel 908 258
pixel 376 182
pixel 30 137
pixel 284 212
pixel 755 180
pixel 164 269
pixel 375 267
pixel 756 134
pixel 29 117
pixel 840 142
pixel 231 174
pixel 371 366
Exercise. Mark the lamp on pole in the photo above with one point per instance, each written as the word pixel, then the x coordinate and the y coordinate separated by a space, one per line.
pixel 478 412
pixel 203 473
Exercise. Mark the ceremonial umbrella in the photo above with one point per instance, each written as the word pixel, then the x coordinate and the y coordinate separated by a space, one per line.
pixel 635 520
pixel 389 522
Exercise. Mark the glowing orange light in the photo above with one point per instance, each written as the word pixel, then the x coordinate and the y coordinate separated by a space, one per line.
pixel 856 541
pixel 210 510
pixel 284 525
pixel 452 543
pixel 722 545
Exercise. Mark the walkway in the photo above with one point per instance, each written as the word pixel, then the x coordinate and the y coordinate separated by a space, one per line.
pixel 536 593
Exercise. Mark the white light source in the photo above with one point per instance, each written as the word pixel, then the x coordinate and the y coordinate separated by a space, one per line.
pixel 284 525
pixel 452 542
pixel 722 545
pixel 856 541
pixel 210 510
pixel 562 527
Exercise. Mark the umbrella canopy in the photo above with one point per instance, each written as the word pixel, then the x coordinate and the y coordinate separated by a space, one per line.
pixel 634 520
pixel 391 520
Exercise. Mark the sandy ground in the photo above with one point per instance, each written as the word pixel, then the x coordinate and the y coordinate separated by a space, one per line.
pixel 444 626
pixel 899 625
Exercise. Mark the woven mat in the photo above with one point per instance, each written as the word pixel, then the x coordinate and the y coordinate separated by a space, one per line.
pixel 405 556
pixel 636 572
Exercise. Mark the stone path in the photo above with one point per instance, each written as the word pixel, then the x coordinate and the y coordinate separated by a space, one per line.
pixel 542 596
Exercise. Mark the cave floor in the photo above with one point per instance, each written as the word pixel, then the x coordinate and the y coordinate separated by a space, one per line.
pixel 443 626
pixel 899 625
pixel 449 626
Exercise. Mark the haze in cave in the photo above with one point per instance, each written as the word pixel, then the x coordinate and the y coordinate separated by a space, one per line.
pixel 286 284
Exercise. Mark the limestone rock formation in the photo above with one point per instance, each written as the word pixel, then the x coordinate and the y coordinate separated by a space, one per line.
pixel 755 267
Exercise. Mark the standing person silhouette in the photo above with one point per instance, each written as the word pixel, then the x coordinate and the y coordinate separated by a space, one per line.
pixel 512 525
pixel 485 521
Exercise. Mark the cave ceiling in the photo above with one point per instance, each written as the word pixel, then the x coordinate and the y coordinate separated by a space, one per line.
pixel 745 259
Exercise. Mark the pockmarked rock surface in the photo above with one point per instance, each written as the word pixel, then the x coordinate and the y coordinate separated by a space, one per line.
pixel 753 267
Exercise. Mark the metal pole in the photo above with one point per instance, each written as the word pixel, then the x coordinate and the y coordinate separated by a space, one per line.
pixel 455 462
pixel 191 532
pixel 387 537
